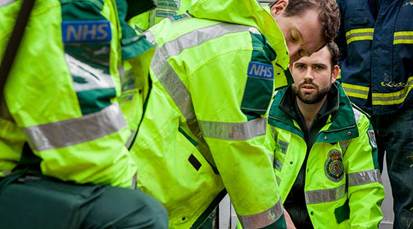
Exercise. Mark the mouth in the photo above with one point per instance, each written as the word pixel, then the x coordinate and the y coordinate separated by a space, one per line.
pixel 308 88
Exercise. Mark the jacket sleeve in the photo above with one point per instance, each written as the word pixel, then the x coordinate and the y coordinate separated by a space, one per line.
pixel 365 190
pixel 230 101
pixel 67 84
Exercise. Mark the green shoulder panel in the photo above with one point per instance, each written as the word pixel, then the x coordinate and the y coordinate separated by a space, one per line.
pixel 260 83
pixel 87 37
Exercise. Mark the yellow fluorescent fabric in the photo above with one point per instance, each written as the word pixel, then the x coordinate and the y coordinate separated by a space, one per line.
pixel 199 74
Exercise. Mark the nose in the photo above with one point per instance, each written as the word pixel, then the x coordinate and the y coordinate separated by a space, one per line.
pixel 308 75
pixel 294 52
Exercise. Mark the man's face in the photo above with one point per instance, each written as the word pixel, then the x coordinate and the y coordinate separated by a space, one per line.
pixel 313 76
pixel 302 33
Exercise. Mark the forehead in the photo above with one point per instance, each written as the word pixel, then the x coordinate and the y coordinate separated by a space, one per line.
pixel 309 26
pixel 323 56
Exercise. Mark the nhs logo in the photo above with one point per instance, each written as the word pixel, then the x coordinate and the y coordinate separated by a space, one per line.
pixel 86 31
pixel 261 70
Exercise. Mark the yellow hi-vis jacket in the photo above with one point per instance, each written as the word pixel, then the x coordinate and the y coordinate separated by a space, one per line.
pixel 342 180
pixel 205 127
pixel 164 9
pixel 61 94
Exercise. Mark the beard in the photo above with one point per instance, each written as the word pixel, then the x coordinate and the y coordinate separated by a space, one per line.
pixel 310 98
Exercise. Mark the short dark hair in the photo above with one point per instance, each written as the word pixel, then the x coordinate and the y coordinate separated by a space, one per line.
pixel 329 14
pixel 334 51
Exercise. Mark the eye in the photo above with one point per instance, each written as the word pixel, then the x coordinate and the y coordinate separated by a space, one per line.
pixel 318 67
pixel 299 66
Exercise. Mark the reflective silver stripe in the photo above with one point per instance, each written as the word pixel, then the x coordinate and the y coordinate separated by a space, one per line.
pixel 277 164
pixel 361 34
pixel 167 76
pixel 234 131
pixel 364 177
pixel 149 36
pixel 403 37
pixel 5 172
pixel 357 114
pixel 352 92
pixel 5 2
pixel 324 195
pixel 75 131
pixel 91 78
pixel 262 219
pixel 365 34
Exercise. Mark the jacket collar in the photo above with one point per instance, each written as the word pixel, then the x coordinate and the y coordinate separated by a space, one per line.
pixel 340 125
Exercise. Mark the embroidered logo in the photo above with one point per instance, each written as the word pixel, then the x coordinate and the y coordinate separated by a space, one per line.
pixel 372 138
pixel 261 70
pixel 334 167
pixel 86 31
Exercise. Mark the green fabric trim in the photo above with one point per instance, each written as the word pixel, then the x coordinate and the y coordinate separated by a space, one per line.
pixel 279 224
pixel 204 216
pixel 132 44
pixel 85 10
pixel 187 137
pixel 258 91
pixel 262 51
pixel 279 118
pixel 92 101
pixel 343 125
pixel 137 7
pixel 342 213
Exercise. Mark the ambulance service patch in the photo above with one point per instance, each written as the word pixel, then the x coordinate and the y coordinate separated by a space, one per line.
pixel 334 167
pixel 86 31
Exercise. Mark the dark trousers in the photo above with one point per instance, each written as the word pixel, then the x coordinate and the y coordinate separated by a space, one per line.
pixel 394 134
pixel 34 203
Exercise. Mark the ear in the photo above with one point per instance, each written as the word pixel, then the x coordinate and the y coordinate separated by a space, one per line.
pixel 334 73
pixel 279 7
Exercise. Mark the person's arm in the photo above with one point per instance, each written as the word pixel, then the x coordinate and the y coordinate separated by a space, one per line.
pixel 231 94
pixel 63 94
pixel 365 190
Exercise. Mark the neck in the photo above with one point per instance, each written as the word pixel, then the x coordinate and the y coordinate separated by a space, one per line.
pixel 309 111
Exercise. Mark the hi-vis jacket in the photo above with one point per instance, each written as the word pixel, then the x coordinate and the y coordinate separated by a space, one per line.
pixel 342 180
pixel 164 9
pixel 204 126
pixel 376 42
pixel 61 95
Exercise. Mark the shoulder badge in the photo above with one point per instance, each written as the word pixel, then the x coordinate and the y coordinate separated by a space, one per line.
pixel 86 31
pixel 260 70
pixel 334 167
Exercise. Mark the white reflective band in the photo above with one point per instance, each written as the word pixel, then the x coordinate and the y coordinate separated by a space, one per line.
pixel 357 114
pixel 149 37
pixel 177 90
pixel 234 131
pixel 75 131
pixel 5 172
pixel 364 177
pixel 167 76
pixel 324 195
pixel 263 219
pixel 5 2
pixel 90 78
